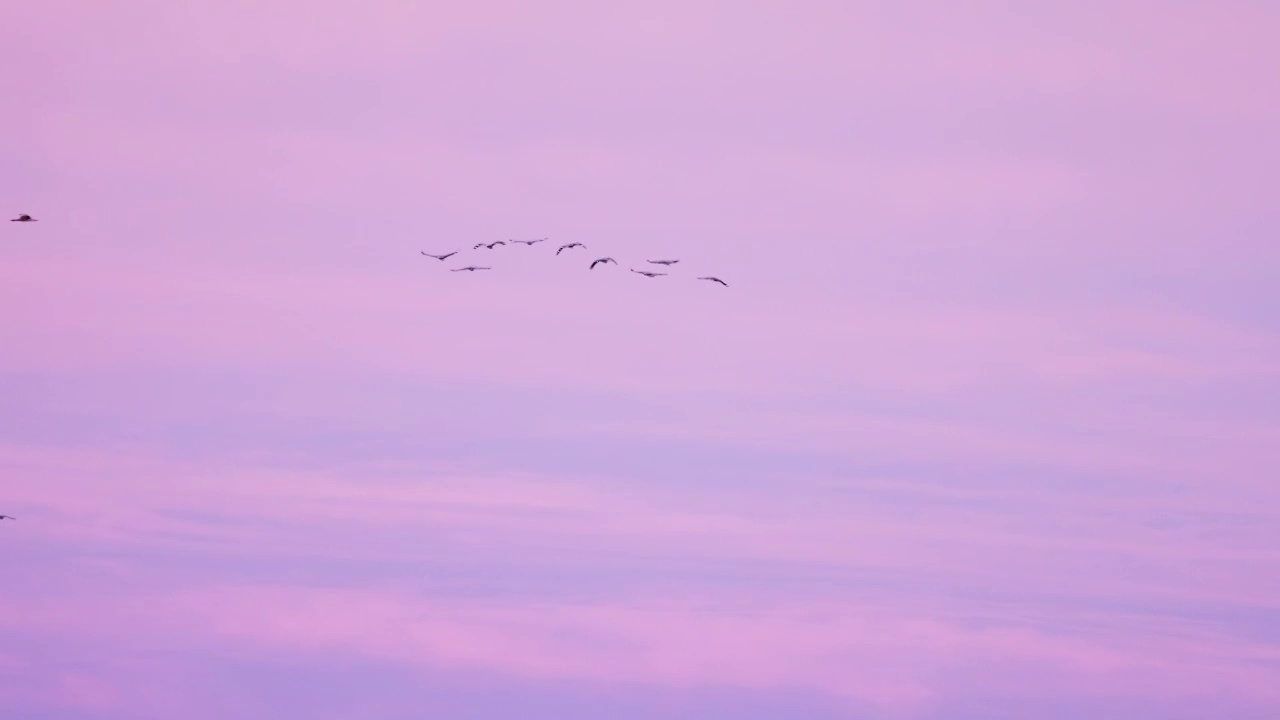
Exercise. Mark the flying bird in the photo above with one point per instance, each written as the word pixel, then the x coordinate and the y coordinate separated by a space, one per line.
pixel 7 517
pixel 470 268
pixel 24 218
pixel 441 257
pixel 647 273
pixel 570 246
pixel 491 245
pixel 715 279
pixel 529 242
pixel 602 260
pixel 663 262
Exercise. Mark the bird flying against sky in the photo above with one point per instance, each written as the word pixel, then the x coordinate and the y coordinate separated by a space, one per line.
pixel 441 257
pixel 570 246
pixel 7 517
pixel 602 260
pixel 663 262
pixel 24 218
pixel 715 279
pixel 646 273
pixel 491 245
pixel 469 268
pixel 529 242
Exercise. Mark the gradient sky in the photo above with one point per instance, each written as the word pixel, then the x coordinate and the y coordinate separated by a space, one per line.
pixel 986 427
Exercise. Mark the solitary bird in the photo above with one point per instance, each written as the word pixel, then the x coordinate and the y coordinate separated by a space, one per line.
pixel 715 279
pixel 663 262
pixel 647 273
pixel 441 257
pixel 570 246
pixel 491 245
pixel 602 260
pixel 24 218
pixel 470 268
pixel 529 242
pixel 7 517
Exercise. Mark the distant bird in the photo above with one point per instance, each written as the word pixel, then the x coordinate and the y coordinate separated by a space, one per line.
pixel 570 246
pixel 602 260
pixel 441 257
pixel 491 245
pixel 470 268
pixel 647 273
pixel 663 262
pixel 24 218
pixel 529 242
pixel 715 279
pixel 7 517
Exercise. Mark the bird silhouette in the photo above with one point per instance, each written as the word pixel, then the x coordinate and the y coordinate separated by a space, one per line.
pixel 602 260
pixel 646 273
pixel 715 279
pixel 7 517
pixel 570 246
pixel 469 268
pixel 529 242
pixel 663 262
pixel 491 245
pixel 441 257
pixel 24 218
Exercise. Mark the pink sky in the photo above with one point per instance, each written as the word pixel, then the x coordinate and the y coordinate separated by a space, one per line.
pixel 984 428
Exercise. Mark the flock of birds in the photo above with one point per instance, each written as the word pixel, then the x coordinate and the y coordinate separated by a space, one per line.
pixel 570 246
pixel 526 243
pixel 24 218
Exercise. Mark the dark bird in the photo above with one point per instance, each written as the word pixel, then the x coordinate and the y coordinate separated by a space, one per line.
pixel 441 257
pixel 7 517
pixel 602 260
pixel 470 268
pixel 24 218
pixel 647 273
pixel 663 262
pixel 715 279
pixel 569 247
pixel 491 245
pixel 529 242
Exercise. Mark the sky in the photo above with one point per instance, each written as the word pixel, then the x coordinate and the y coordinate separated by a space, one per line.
pixel 985 425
